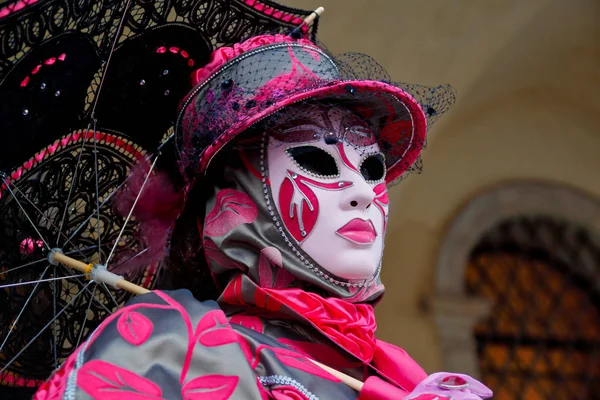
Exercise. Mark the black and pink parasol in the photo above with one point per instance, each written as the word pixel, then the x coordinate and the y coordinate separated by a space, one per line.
pixel 89 90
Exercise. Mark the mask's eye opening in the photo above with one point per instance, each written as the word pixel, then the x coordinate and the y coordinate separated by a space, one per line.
pixel 373 167
pixel 314 160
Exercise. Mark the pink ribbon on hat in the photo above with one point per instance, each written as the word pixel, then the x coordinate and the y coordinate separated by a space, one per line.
pixel 220 56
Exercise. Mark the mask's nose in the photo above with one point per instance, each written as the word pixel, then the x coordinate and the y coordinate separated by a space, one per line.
pixel 359 196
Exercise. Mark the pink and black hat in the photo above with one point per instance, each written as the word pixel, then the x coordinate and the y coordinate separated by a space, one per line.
pixel 244 85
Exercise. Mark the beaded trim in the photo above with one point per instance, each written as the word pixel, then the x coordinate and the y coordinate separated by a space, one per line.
pixel 286 380
pixel 303 258
pixel 384 167
pixel 71 389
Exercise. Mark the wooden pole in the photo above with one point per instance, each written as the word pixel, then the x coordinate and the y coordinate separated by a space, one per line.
pixel 348 380
pixel 317 13
pixel 88 268
pixel 135 289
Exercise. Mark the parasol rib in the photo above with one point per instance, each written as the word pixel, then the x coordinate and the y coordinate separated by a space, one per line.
pixel 24 212
pixel 23 266
pixel 85 317
pixel 43 329
pixel 97 194
pixel 44 217
pixel 39 281
pixel 110 295
pixel 62 221
pixel 131 211
pixel 22 310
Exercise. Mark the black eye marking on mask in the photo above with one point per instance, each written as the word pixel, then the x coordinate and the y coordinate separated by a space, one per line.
pixel 314 160
pixel 372 167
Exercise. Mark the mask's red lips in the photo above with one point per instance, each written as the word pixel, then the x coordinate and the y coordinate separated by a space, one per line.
pixel 358 231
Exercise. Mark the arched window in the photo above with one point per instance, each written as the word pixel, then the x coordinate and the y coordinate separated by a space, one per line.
pixel 541 339
pixel 505 279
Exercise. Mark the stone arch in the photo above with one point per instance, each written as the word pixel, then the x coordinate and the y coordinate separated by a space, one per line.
pixel 454 313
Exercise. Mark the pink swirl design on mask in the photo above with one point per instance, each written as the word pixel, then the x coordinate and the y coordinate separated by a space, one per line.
pixel 381 200
pixel 347 163
pixel 299 205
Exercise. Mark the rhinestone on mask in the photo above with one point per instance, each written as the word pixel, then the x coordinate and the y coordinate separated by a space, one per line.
pixel 453 382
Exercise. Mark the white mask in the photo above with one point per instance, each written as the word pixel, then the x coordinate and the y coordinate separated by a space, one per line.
pixel 327 178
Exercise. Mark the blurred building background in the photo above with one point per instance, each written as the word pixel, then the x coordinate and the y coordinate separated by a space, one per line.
pixel 492 263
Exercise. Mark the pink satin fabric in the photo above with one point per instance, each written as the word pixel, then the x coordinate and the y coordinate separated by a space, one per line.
pixel 376 388
pixel 352 326
pixel 397 365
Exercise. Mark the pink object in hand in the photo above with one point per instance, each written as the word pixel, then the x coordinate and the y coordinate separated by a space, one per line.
pixel 450 386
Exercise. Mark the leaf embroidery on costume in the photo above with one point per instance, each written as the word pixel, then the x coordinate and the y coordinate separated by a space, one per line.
pixel 106 381
pixel 210 387
pixel 134 327
pixel 248 321
pixel 214 329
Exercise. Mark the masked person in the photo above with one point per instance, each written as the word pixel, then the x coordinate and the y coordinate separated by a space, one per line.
pixel 287 153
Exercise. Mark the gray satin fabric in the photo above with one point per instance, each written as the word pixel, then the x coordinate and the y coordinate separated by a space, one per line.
pixel 161 357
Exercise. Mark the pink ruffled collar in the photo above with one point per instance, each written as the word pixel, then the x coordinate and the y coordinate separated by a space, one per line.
pixel 352 326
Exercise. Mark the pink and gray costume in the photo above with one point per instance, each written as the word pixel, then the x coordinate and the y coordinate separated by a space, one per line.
pixel 276 307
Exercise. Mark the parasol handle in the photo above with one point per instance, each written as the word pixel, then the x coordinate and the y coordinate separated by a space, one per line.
pixel 346 379
pixel 102 275
pixel 317 13
pixel 97 273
